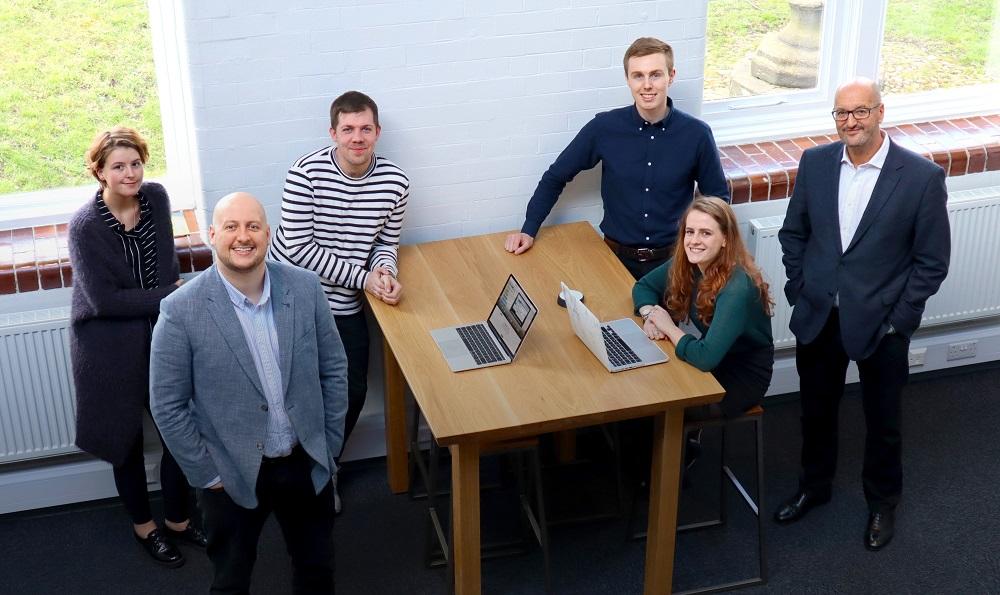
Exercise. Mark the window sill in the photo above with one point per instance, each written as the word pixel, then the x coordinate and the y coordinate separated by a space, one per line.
pixel 37 258
pixel 763 171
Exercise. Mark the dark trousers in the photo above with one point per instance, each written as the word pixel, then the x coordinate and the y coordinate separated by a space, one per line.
pixel 130 479
pixel 353 330
pixel 638 268
pixel 822 367
pixel 284 487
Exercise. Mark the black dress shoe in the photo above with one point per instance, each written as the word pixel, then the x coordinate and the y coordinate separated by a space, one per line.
pixel 797 507
pixel 160 549
pixel 881 527
pixel 191 535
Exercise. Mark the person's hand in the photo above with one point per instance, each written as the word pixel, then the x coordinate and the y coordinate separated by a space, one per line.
pixel 518 243
pixel 651 330
pixel 391 289
pixel 217 487
pixel 661 320
pixel 179 282
pixel 374 284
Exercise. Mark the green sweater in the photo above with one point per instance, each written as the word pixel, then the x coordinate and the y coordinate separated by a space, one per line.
pixel 739 323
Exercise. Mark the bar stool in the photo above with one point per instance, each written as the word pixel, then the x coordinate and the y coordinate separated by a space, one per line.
pixel 524 451
pixel 755 416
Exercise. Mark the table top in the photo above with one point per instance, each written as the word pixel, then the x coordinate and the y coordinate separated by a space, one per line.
pixel 554 383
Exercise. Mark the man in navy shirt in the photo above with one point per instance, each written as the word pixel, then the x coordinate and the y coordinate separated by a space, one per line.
pixel 651 155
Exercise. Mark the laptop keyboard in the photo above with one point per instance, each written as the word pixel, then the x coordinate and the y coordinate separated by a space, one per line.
pixel 619 354
pixel 480 344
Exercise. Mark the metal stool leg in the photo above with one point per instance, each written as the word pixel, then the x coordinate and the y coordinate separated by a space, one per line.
pixel 759 426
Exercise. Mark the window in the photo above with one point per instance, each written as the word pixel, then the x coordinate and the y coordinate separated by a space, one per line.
pixel 67 70
pixel 935 58
pixel 761 48
pixel 71 68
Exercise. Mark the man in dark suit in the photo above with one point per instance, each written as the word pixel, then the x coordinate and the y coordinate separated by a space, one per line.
pixel 248 383
pixel 865 242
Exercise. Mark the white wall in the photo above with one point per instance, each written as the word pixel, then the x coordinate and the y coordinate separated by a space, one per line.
pixel 476 97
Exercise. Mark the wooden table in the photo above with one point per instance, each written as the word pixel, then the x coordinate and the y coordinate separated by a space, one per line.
pixel 554 384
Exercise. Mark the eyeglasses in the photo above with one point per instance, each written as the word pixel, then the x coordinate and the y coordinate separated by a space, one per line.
pixel 860 113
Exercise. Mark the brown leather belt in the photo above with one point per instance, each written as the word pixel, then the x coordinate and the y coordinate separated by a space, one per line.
pixel 638 254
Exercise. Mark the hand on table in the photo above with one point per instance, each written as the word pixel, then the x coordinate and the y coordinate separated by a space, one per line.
pixel 518 243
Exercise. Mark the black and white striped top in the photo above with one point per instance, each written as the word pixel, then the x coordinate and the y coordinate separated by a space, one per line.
pixel 138 244
pixel 341 227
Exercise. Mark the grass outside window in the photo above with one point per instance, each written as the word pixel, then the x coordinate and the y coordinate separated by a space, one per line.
pixel 69 68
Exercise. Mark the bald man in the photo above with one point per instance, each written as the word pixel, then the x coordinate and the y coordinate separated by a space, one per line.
pixel 865 242
pixel 248 384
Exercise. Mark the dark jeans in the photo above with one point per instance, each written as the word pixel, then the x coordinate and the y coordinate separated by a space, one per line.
pixel 284 486
pixel 354 333
pixel 130 479
pixel 822 367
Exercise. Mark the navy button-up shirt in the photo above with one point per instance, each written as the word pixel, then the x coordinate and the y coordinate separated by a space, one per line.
pixel 648 173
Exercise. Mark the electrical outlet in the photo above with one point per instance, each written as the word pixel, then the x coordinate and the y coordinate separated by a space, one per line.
pixel 918 356
pixel 962 350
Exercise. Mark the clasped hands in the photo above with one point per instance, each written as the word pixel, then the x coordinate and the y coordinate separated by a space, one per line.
pixel 383 284
pixel 658 324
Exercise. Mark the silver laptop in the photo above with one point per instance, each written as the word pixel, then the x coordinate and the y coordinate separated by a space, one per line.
pixel 494 341
pixel 619 344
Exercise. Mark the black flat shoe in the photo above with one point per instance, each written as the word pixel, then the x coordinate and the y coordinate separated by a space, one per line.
pixel 190 535
pixel 160 549
pixel 881 528
pixel 797 507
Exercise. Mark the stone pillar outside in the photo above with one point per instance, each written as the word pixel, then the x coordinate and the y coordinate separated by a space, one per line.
pixel 785 59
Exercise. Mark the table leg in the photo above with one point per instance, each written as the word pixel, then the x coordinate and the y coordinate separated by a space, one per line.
pixel 396 461
pixel 565 446
pixel 668 431
pixel 465 517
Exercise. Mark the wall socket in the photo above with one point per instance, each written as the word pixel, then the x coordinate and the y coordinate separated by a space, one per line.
pixel 962 350
pixel 918 356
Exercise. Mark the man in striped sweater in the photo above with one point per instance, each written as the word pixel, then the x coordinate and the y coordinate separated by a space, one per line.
pixel 341 213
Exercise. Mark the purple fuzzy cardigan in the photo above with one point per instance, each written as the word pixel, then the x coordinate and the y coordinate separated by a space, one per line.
pixel 110 332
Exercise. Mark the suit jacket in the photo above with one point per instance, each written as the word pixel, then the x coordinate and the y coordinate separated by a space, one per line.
pixel 109 336
pixel 896 260
pixel 207 398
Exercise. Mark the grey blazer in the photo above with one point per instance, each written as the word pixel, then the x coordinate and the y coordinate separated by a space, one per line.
pixel 206 395
pixel 897 259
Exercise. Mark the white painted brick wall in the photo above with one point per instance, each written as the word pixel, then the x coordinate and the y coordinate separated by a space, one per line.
pixel 477 97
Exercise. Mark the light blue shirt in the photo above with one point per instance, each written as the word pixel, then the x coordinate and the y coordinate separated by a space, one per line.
pixel 257 321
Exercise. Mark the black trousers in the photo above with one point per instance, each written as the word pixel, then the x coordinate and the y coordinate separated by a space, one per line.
pixel 284 487
pixel 638 268
pixel 822 367
pixel 130 480
pixel 353 330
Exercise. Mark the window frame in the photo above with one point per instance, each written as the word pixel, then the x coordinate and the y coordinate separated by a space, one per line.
pixel 859 28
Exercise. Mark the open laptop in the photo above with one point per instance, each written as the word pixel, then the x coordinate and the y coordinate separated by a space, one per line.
pixel 494 341
pixel 619 344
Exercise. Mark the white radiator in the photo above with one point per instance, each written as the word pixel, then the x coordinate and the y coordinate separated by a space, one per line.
pixel 37 402
pixel 971 290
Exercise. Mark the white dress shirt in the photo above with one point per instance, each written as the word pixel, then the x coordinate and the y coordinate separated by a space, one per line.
pixel 856 185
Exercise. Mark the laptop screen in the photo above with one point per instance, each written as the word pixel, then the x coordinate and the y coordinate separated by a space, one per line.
pixel 512 315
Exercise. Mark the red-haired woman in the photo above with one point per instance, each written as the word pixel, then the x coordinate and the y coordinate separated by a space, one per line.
pixel 713 282
pixel 121 247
